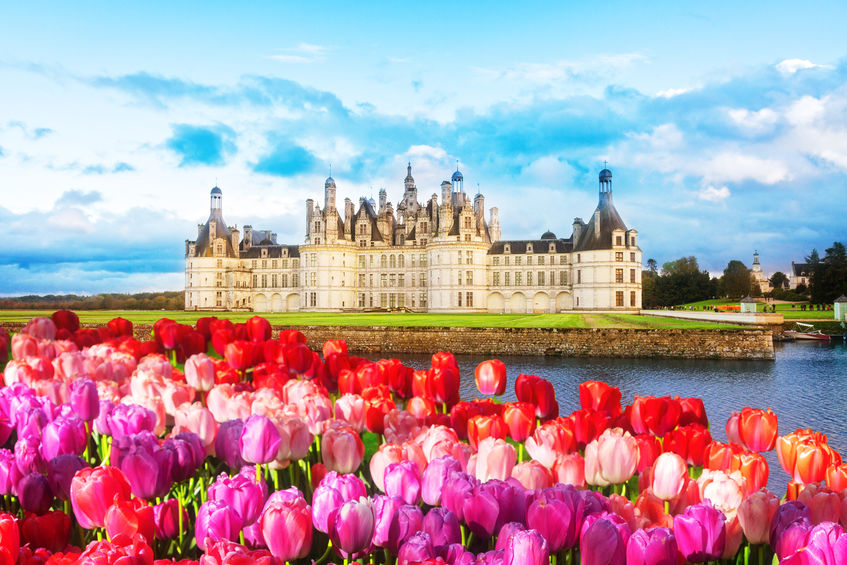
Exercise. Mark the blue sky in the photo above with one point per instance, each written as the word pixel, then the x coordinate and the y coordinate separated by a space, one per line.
pixel 725 126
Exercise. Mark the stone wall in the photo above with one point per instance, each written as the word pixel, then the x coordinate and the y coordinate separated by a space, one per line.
pixel 561 342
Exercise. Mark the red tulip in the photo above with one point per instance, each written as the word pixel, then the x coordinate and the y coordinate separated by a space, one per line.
pixel 649 449
pixel 220 339
pixel 50 531
pixel 10 539
pixel 689 442
pixel 540 392
pixel 550 440
pixel 131 517
pixel 758 429
pixel 292 336
pixel 444 385
pixel 65 320
pixel 400 380
pixel 520 419
pixel 258 329
pixel 204 326
pixel 490 377
pixel 718 456
pixel 120 326
pixel 93 490
pixel 657 415
pixel 298 357
pixel 836 477
pixel 693 411
pixel 377 410
pixel 239 355
pixel 481 427
pixel 597 395
pixel 588 425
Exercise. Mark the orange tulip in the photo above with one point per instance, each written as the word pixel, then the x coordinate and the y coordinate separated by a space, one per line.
pixel 805 456
pixel 719 455
pixel 481 427
pixel 753 467
pixel 758 429
pixel 490 377
pixel 836 477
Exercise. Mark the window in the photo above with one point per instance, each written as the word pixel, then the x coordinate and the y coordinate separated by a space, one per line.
pixel 317 226
pixel 579 257
pixel 618 255
pixel 393 261
pixel 295 263
pixel 469 299
pixel 392 280
pixel 618 240
pixel 632 275
pixel 383 261
pixel 495 279
pixel 255 263
pixel 401 280
pixel 506 261
pixel 361 261
pixel 423 260
pixel 295 280
pixel 422 300
pixel 264 261
pixel 383 300
pixel 469 257
pixel 370 280
pixel 541 259
pixel 412 259
pixel 563 259
pixel 401 261
pixel 541 278
pixel 285 263
pixel 284 281
pixel 275 281
pixel 371 300
pixel 219 276
pixel 371 260
pixel 506 276
pixel 619 298
pixel 467 223
pixel 273 263
pixel 255 281
pixel 401 300
pixel 361 300
pixel 529 248
pixel 220 249
pixel 314 279
pixel 518 260
pixel 219 263
pixel 218 298
pixel 469 278
pixel 632 257
pixel 529 260
pixel 392 300
pixel 632 240
pixel 460 298
pixel 632 298
pixel 579 277
pixel 383 280
pixel 563 278
pixel 313 298
pixel 507 249
pixel 518 279
pixel 496 261
pixel 423 227
pixel 618 275
pixel 467 237
pixel 423 280
pixel 362 279
pixel 459 275
pixel 529 278
pixel 363 243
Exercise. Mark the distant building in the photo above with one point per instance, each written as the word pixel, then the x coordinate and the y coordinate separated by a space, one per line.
pixel 430 257
pixel 799 274
pixel 759 278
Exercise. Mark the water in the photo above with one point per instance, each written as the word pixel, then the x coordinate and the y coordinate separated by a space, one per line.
pixel 806 386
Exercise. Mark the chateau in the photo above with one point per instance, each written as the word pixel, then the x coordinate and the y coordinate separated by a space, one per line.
pixel 437 256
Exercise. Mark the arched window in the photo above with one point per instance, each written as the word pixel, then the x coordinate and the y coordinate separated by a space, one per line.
pixel 393 261
pixel 401 261
pixel 383 261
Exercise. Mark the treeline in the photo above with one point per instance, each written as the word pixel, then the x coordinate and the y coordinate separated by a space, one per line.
pixel 141 301
pixel 827 276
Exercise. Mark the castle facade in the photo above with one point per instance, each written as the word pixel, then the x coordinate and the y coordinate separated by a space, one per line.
pixel 441 255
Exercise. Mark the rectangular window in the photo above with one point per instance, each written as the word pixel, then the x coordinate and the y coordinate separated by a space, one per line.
pixel 219 263
pixel 401 280
pixel 273 263
pixel 392 280
pixel 459 275
pixel 529 278
pixel 469 299
pixel 284 281
pixel 370 280
pixel 264 281
pixel 460 298
pixel 579 277
pixel 383 280
pixel 423 259
pixel 371 300
pixel 218 299
pixel 313 300
pixel 541 278
pixel 469 257
pixel 618 275
pixel 285 263
pixel 361 279
pixel 314 259
pixel 469 278
pixel 632 299
pixel 361 261
pixel 392 300
pixel 255 263
pixel 618 240
pixel 295 280
pixel 618 255
pixel 264 263
pixel 295 263
pixel 423 280
pixel 401 300
pixel 255 281
pixel 632 275
pixel 495 279
pixel 219 276
pixel 361 300
pixel 518 260
pixel 518 279
pixel 506 261
pixel 496 261
pixel 541 259
pixel 383 300
pixel 579 257
pixel 563 278
pixel 314 279
pixel 619 298
pixel 632 257
pixel 529 260
pixel 506 276
pixel 412 257
pixel 275 280
pixel 422 300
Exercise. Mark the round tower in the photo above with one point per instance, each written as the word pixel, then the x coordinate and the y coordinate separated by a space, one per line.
pixel 329 194
pixel 605 181
pixel 216 198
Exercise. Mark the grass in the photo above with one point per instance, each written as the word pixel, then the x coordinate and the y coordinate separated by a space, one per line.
pixel 786 309
pixel 567 320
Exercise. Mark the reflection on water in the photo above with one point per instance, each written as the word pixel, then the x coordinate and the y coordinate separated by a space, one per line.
pixel 805 386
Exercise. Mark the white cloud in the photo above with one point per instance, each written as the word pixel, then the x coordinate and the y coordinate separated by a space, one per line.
pixel 736 167
pixel 70 219
pixel 791 66
pixel 754 122
pixel 545 73
pixel 805 111
pixel 551 171
pixel 664 136
pixel 671 92
pixel 712 194
pixel 302 53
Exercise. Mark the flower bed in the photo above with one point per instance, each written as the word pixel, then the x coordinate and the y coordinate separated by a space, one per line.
pixel 214 443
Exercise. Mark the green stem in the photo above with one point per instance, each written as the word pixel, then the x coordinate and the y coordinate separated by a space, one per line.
pixel 623 490
pixel 520 453
pixel 325 556
pixel 667 506
pixel 761 554
pixel 291 473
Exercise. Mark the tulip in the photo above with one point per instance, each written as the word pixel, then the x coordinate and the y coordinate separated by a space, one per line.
pixel 120 327
pixel 286 525
pixel 755 514
pixel 200 372
pixel 148 470
pixel 836 477
pixel 93 491
pixel 10 539
pixel 599 396
pixel 240 492
pixel 28 455
pixel 825 543
pixel 259 441
pixel 417 549
pixel 656 546
pixel 376 411
pixel 352 408
pixel 216 520
pixel 700 532
pixel 490 377
pixel 539 392
pixel 732 434
pixel 481 511
pixel 719 456
pixel 481 427
pixel 60 473
pixel 532 474
pixel 556 520
pixel 130 419
pixel 406 522
pixel 65 320
pixel 693 411
pixel 166 518
pixel 385 507
pixel 342 449
pixel 526 548
pixel 689 442
pixel 331 493
pixel 824 504
pixel 63 436
pixel 758 429
pixel 131 517
pixel 724 490
pixel 602 543
pixel 443 527
pixel 51 531
pixel 495 459
pixel 616 455
pixel 657 415
pixel 569 469
pixel 351 526
pixel 434 478
pixel 258 328
pixel 520 420
pixel 753 467
pixel 84 399
pixel 403 481
pixel 669 473
pixel 550 440
pixel 34 493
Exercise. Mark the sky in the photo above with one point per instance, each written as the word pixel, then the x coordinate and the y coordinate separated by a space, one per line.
pixel 725 125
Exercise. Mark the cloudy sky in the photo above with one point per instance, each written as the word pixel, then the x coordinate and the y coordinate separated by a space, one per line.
pixel 725 126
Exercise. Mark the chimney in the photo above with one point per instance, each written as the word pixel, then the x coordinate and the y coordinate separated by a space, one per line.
pixel 577 229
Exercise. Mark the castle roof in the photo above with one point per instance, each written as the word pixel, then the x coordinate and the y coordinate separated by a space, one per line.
pixel 539 246
pixel 609 220
pixel 203 245
pixel 274 252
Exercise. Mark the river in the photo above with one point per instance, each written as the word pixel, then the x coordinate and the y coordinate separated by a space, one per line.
pixel 806 386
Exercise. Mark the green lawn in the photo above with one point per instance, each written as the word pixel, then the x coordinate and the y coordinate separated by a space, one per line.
pixel 786 310
pixel 580 320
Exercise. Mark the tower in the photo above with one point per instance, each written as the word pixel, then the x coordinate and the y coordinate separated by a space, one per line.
pixel 458 180
pixel 329 194
pixel 605 184
pixel 216 199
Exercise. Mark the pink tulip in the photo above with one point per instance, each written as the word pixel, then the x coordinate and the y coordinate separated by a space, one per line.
pixel 296 439
pixel 569 469
pixel 824 504
pixel 200 372
pixel 669 474
pixel 197 419
pixel 259 440
pixel 495 460
pixel 403 481
pixel 532 475
pixel 734 537
pixel 351 408
pixel 352 526
pixel 755 514
pixel 725 491
pixel 216 520
pixel 400 426
pixel 342 449
pixel 732 423
pixel 286 525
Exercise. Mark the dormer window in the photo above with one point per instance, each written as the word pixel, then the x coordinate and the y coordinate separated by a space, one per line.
pixel 264 252
pixel 529 248
pixel 507 248
pixel 551 248
pixel 618 240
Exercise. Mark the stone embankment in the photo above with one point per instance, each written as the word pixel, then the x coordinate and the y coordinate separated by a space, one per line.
pixel 753 343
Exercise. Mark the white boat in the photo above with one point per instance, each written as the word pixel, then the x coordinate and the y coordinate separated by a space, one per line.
pixel 808 332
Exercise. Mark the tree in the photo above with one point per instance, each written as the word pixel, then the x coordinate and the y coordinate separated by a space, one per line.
pixel 737 279
pixel 828 278
pixel 779 280
pixel 652 266
pixel 680 281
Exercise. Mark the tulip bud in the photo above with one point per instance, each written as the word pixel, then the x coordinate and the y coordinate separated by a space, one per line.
pixel 215 521
pixel 286 524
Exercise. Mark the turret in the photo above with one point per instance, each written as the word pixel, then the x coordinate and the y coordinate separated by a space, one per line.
pixel 248 237
pixel 329 194
pixel 479 205
pixel 216 199
pixel 605 186
pixel 383 198
pixel 234 238
pixel 409 182
pixel 310 210
pixel 577 229
pixel 494 224
pixel 446 188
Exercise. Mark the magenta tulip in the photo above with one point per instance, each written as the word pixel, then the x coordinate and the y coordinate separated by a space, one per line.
pixel 34 493
pixel 656 546
pixel 443 527
pixel 351 526
pixel 526 547
pixel 64 435
pixel 216 520
pixel 700 532
pixel 481 511
pixel 403 481
pixel 227 444
pixel 434 477
pixel 286 524
pixel 417 549
pixel 406 522
pixel 242 493
pixel 259 440
pixel 385 507
pixel 166 518
pixel 60 473
pixel 84 399
pixel 555 520
pixel 334 491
